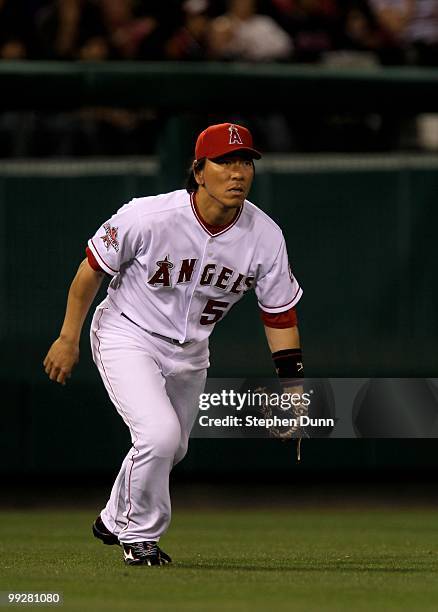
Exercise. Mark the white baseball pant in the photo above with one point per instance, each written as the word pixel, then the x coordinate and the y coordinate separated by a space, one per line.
pixel 155 387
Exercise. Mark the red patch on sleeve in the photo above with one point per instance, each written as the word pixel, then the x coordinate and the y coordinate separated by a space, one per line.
pixel 282 320
pixel 92 260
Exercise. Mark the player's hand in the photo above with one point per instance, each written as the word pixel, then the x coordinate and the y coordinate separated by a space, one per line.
pixel 61 359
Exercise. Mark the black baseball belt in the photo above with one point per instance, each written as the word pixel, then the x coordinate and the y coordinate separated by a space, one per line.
pixel 160 336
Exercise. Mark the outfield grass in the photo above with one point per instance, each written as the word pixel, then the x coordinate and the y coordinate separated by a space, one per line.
pixel 330 560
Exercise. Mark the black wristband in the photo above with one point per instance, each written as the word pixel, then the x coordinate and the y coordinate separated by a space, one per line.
pixel 289 363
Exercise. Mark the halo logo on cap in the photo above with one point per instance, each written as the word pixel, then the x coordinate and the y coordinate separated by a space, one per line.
pixel 234 135
pixel 224 138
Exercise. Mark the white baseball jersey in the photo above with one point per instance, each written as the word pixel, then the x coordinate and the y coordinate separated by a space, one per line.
pixel 174 277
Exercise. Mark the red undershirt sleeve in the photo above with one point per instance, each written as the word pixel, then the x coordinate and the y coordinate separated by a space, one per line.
pixel 281 320
pixel 92 260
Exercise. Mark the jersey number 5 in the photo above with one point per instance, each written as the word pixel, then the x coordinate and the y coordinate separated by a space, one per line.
pixel 215 309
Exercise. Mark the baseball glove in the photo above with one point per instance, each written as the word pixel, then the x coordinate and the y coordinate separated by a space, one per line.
pixel 286 423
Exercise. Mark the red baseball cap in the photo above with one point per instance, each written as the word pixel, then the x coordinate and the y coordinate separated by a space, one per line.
pixel 222 138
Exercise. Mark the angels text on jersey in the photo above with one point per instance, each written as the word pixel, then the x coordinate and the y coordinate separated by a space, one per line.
pixel 213 274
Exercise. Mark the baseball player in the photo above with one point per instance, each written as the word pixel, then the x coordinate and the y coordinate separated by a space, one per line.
pixel 178 262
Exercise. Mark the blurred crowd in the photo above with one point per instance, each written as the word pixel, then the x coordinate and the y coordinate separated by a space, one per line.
pixel 389 32
pixel 351 33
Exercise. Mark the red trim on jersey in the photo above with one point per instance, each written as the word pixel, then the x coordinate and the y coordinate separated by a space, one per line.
pixel 280 320
pixel 100 257
pixel 283 305
pixel 212 230
pixel 92 260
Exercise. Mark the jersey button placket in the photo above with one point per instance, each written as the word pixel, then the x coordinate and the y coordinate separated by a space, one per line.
pixel 209 247
pixel 196 295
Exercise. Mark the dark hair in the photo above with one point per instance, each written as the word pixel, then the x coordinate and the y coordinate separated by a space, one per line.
pixel 191 184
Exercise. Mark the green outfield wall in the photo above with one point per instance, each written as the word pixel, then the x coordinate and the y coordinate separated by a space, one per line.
pixel 361 232
pixel 212 86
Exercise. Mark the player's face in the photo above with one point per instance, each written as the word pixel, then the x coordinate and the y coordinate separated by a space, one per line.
pixel 228 179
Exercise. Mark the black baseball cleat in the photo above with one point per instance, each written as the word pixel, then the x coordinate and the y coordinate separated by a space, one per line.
pixel 104 534
pixel 144 553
